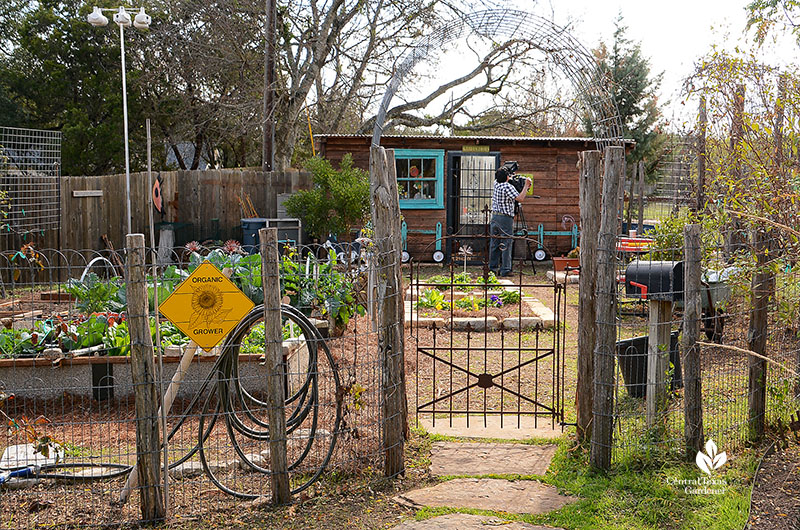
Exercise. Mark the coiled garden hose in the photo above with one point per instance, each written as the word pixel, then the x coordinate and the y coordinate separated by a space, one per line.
pixel 303 404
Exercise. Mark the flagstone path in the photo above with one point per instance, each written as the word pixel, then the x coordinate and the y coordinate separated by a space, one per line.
pixel 473 462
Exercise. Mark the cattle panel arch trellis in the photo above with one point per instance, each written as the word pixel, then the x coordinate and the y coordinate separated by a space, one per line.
pixel 568 53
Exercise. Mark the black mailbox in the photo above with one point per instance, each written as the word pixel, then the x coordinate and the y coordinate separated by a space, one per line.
pixel 655 280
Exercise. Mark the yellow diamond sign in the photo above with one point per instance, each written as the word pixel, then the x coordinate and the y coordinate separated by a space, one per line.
pixel 206 306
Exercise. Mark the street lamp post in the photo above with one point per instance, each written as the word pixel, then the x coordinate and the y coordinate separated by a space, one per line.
pixel 122 18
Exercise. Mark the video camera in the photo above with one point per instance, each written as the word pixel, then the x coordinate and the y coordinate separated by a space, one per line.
pixel 509 169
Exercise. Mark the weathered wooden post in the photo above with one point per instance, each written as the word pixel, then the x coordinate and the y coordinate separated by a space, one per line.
pixel 640 223
pixel 606 304
pixel 148 447
pixel 385 206
pixel 762 286
pixel 629 213
pixel 701 155
pixel 273 351
pixel 589 185
pixel 658 345
pixel 735 236
pixel 692 303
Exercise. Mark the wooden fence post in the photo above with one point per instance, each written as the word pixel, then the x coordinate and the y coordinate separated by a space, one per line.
pixel 640 222
pixel 692 303
pixel 606 303
pixel 658 345
pixel 757 338
pixel 629 213
pixel 701 155
pixel 148 447
pixel 385 206
pixel 273 350
pixel 589 164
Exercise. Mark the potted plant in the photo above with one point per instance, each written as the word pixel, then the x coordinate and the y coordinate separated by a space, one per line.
pixel 572 259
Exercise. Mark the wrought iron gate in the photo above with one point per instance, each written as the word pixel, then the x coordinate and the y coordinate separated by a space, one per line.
pixel 480 354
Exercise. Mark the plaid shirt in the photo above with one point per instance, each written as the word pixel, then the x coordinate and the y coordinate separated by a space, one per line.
pixel 503 198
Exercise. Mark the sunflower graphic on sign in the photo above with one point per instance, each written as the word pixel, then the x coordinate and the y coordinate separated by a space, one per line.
pixel 206 306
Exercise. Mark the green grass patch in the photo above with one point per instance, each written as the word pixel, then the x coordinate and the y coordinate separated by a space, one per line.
pixel 645 494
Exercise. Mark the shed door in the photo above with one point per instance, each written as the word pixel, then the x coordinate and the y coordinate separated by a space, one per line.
pixel 471 199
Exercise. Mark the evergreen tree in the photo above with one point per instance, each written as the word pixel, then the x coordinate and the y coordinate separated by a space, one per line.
pixel 627 72
pixel 59 73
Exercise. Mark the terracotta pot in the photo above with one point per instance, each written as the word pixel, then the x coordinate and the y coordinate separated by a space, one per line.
pixel 559 264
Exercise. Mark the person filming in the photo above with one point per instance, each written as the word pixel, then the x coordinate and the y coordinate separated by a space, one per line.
pixel 508 190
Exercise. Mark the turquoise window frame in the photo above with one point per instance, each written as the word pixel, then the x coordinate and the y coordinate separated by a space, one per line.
pixel 436 203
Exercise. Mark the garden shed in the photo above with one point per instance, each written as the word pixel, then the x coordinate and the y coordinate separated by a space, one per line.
pixel 445 186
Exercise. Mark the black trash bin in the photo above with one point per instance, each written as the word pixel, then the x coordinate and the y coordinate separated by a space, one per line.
pixel 250 228
pixel 632 354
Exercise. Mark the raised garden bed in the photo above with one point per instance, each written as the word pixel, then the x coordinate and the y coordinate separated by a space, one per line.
pixel 109 377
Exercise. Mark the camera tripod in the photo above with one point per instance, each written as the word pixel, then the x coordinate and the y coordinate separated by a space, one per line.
pixel 521 227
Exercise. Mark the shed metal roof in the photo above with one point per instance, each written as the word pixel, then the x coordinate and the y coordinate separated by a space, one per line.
pixel 484 138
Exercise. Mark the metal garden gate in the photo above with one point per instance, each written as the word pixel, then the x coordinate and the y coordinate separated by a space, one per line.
pixel 485 347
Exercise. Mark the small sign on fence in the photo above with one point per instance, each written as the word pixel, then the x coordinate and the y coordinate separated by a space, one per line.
pixel 206 306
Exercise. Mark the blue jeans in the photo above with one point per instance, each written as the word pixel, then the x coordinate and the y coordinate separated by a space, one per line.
pixel 500 247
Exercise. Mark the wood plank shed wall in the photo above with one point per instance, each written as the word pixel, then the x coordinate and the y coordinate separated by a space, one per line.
pixel 205 200
pixel 551 161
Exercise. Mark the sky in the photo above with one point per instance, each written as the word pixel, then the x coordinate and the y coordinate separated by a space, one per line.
pixel 673 34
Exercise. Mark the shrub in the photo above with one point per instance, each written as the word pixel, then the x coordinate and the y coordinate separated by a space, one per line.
pixel 338 200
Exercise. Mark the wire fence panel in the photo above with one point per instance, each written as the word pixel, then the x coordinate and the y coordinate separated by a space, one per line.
pixel 30 163
pixel 744 390
pixel 67 389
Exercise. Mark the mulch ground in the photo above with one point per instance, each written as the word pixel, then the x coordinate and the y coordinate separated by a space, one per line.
pixel 776 492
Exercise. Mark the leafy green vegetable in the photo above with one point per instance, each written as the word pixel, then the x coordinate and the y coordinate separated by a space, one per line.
pixel 432 298
pixel 95 295
pixel 117 340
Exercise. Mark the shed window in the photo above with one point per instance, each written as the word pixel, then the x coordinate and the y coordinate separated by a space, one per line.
pixel 420 177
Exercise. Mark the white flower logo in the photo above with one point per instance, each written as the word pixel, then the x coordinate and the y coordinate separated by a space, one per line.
pixel 711 461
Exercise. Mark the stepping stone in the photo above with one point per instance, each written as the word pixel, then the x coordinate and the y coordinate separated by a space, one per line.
pixel 187 470
pixel 513 496
pixel 490 427
pixel 522 323
pixel 540 310
pixel 476 324
pixel 463 521
pixel 453 458
pixel 23 455
pixel 194 468
pixel 88 473
pixel 255 459
pixel 20 483
pixel 561 277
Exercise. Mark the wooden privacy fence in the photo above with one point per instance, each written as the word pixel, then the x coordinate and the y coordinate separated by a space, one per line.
pixel 205 204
